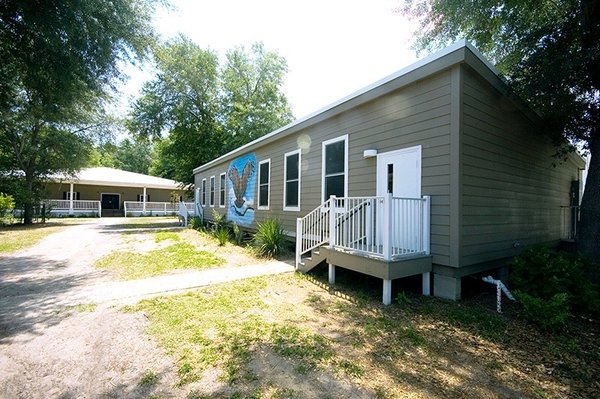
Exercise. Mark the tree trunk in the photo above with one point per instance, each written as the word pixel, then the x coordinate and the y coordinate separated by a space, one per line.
pixel 588 232
pixel 29 199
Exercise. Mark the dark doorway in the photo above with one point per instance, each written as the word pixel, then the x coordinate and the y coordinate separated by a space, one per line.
pixel 111 201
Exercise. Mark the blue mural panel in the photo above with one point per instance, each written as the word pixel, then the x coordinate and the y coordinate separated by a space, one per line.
pixel 242 186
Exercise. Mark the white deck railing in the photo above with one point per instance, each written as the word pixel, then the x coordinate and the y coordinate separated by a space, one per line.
pixel 69 207
pixel 137 208
pixel 383 227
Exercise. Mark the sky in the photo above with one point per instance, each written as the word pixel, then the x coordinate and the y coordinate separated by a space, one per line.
pixel 333 47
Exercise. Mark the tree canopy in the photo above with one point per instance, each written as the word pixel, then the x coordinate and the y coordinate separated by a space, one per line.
pixel 549 51
pixel 200 109
pixel 59 63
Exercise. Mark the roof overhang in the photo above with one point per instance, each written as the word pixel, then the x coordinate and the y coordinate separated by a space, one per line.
pixel 457 53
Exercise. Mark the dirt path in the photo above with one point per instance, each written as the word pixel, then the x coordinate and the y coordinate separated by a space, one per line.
pixel 52 347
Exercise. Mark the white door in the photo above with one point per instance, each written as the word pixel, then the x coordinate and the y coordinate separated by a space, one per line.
pixel 399 173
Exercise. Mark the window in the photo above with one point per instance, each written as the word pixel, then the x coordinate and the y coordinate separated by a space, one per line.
pixel 67 194
pixel 222 191
pixel 291 181
pixel 140 197
pixel 335 167
pixel 212 191
pixel 264 179
pixel 203 192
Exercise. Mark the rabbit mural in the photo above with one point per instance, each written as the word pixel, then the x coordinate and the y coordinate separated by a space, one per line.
pixel 242 184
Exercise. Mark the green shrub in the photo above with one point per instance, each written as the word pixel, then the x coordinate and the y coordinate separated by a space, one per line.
pixel 549 314
pixel 270 238
pixel 542 272
pixel 238 234
pixel 222 235
pixel 551 284
pixel 219 221
pixel 196 223
pixel 7 204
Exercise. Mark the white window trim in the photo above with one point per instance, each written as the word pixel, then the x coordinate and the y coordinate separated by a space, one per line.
pixel 222 190
pixel 213 197
pixel 346 158
pixel 265 208
pixel 203 193
pixel 285 156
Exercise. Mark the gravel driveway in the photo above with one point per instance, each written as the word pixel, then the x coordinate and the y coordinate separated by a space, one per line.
pixel 50 349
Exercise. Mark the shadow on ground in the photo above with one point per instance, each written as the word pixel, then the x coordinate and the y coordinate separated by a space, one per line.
pixel 30 290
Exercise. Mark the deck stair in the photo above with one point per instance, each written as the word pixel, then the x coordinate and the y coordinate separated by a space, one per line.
pixel 384 237
pixel 314 259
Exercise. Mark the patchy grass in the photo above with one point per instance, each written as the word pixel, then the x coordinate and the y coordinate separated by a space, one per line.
pixel 16 237
pixel 293 336
pixel 160 236
pixel 83 307
pixel 134 265
pixel 147 222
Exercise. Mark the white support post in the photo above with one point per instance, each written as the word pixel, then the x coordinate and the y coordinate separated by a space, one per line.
pixel 426 283
pixel 71 212
pixel 332 222
pixel 387 292
pixel 427 224
pixel 144 202
pixel 99 209
pixel 331 274
pixel 387 227
pixel 298 241
pixel 165 207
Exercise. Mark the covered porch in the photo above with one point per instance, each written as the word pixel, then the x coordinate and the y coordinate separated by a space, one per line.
pixel 385 237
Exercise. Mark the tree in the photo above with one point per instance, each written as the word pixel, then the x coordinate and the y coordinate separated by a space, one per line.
pixel 133 155
pixel 181 101
pixel 204 111
pixel 549 51
pixel 59 61
pixel 252 103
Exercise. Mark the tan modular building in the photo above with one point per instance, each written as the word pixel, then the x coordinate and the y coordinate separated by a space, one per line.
pixel 434 170
pixel 113 192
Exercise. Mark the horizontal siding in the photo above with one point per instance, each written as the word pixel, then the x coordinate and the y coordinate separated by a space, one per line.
pixel 418 114
pixel 511 192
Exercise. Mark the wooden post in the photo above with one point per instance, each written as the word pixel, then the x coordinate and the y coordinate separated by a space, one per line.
pixel 387 227
pixel 71 212
pixel 426 224
pixel 426 283
pixel 387 292
pixel 144 202
pixel 332 222
pixel 298 241
pixel 331 274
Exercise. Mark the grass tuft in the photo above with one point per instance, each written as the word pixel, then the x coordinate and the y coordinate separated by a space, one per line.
pixel 149 378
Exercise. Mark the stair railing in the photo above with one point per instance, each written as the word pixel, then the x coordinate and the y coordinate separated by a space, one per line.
pixel 312 230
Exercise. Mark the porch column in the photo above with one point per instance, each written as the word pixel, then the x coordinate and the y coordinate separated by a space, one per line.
pixel 71 212
pixel 331 274
pixel 144 202
pixel 387 292
pixel 426 283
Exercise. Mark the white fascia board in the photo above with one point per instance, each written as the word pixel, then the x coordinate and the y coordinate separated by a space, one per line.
pixel 291 127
